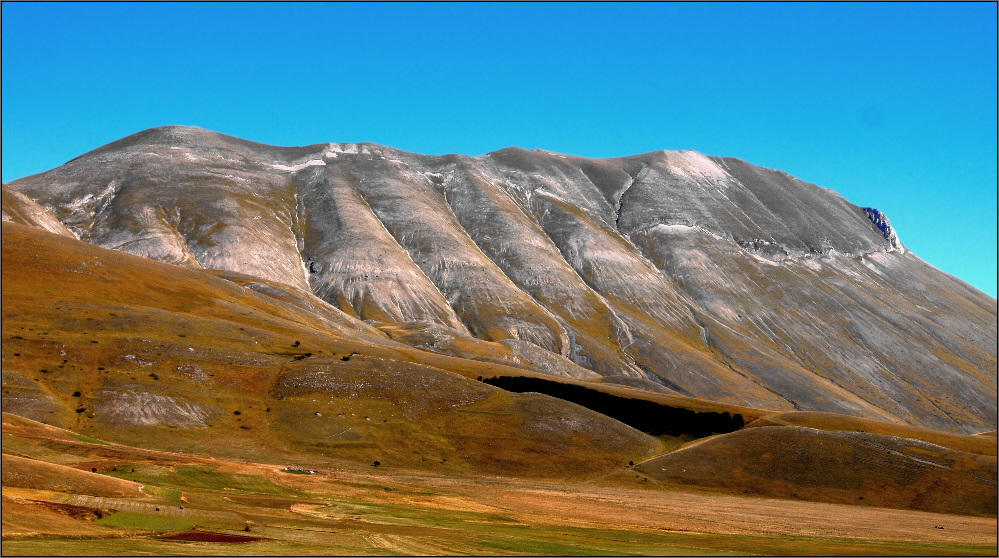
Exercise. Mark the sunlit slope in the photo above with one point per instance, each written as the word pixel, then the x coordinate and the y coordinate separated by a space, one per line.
pixel 20 209
pixel 982 443
pixel 668 271
pixel 19 472
pixel 128 349
pixel 856 467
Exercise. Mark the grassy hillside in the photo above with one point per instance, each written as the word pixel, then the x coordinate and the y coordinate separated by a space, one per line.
pixel 122 348
pixel 849 467
pixel 983 443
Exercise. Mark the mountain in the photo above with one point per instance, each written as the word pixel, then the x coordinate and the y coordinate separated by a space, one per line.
pixel 124 348
pixel 670 272
pixel 222 369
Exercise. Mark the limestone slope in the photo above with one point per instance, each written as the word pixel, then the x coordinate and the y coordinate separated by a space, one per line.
pixel 668 271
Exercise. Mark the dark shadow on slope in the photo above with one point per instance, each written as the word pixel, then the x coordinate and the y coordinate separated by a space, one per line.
pixel 648 416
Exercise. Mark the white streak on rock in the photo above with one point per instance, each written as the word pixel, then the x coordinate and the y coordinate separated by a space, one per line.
pixel 300 166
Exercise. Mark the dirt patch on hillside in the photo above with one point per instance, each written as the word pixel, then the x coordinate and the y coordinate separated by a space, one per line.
pixel 201 536
pixel 72 511
pixel 30 473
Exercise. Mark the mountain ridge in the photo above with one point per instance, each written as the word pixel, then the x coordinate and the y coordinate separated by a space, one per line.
pixel 669 271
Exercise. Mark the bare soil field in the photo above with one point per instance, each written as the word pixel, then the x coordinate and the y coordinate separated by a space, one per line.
pixel 199 536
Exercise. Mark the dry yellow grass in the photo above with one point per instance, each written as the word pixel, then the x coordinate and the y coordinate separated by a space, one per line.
pixel 848 467
pixel 126 349
pixel 30 473
pixel 983 444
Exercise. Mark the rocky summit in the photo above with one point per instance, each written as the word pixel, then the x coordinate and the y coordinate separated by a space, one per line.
pixel 671 272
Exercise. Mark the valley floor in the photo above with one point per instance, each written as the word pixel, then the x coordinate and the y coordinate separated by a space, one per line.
pixel 379 511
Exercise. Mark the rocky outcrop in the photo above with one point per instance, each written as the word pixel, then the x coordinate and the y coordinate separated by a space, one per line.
pixel 880 222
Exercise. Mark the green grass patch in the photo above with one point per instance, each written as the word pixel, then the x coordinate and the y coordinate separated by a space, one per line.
pixel 497 533
pixel 88 439
pixel 538 540
pixel 206 478
pixel 154 547
pixel 141 473
pixel 162 493
pixel 198 477
pixel 132 520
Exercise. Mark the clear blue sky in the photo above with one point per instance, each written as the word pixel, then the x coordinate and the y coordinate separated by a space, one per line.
pixel 891 105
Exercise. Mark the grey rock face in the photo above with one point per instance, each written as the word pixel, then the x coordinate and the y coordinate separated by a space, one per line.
pixel 671 271
pixel 880 222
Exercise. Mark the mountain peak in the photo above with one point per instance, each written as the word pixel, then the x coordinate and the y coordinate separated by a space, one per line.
pixel 670 271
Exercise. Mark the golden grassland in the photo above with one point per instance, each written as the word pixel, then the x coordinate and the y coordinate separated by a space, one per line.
pixel 354 509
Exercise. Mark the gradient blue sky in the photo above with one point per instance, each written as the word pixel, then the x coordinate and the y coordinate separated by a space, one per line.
pixel 891 105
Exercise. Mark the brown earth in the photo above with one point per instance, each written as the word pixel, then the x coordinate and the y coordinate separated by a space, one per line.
pixel 859 468
pixel 202 536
